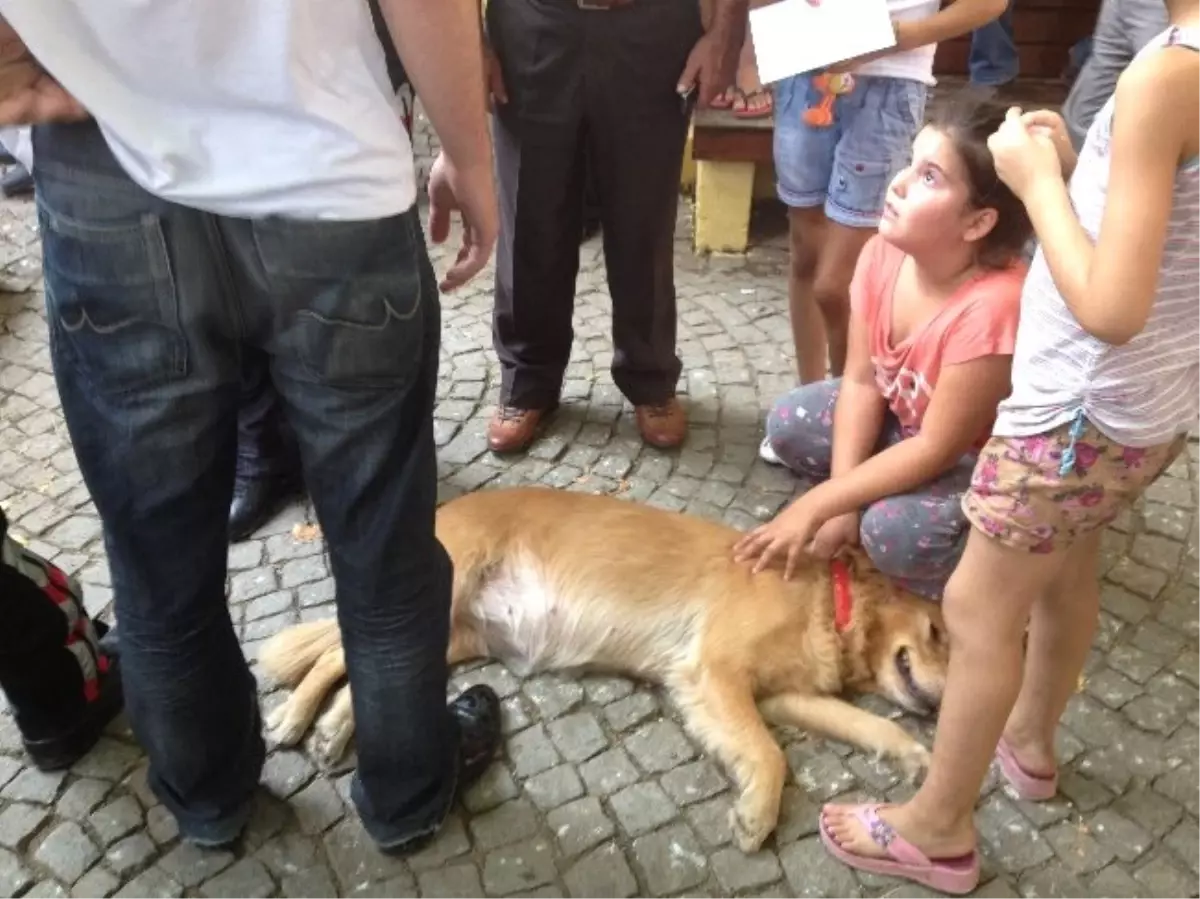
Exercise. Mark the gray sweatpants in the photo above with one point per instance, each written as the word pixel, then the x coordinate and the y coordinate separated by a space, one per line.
pixel 1123 28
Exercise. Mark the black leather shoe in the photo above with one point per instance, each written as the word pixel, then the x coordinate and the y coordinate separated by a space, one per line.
pixel 16 182
pixel 476 710
pixel 257 501
pixel 55 751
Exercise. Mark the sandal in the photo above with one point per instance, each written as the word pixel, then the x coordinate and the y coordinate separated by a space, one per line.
pixel 749 97
pixel 724 100
pixel 957 876
pixel 1027 785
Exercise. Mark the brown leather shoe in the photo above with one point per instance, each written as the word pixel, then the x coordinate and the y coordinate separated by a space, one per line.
pixel 512 430
pixel 662 424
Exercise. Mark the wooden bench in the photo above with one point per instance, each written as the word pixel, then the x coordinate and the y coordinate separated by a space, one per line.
pixel 730 154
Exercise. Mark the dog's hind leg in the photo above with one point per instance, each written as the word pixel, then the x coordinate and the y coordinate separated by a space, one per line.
pixel 837 718
pixel 288 723
pixel 334 729
pixel 721 712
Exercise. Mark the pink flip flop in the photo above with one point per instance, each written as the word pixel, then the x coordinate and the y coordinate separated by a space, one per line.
pixel 957 876
pixel 1028 786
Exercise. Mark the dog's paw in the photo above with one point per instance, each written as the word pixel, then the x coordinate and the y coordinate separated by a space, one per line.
pixel 330 738
pixel 284 726
pixel 914 761
pixel 749 826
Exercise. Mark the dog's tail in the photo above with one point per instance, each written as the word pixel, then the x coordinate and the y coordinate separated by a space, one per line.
pixel 290 654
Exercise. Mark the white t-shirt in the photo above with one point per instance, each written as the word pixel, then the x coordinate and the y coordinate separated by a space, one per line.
pixel 244 108
pixel 915 65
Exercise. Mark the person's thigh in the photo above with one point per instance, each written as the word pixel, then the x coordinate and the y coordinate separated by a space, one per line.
pixel 918 538
pixel 803 153
pixel 349 312
pixel 143 341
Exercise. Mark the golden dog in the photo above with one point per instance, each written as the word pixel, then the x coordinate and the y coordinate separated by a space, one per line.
pixel 547 579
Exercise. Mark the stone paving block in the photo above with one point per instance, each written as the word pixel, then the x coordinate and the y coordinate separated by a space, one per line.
pixel 286 771
pixel 450 882
pixel 693 782
pixel 67 852
pixel 32 785
pixel 120 817
pixel 189 865
pixel 817 770
pixel 14 876
pixel 1078 849
pixel 1010 838
pixel 9 769
pixel 578 736
pixel 19 822
pixel 579 825
pixel 1184 842
pixel 1162 877
pixel 659 746
pixel 47 889
pixel 161 825
pixel 130 854
pixel 531 751
pixel 81 798
pixel 311 883
pixel 521 866
pixel 317 806
pixel 604 872
pixel 1052 879
pixel 811 871
pixel 737 872
pixel 642 807
pixel 553 788
pixel 710 820
pixel 630 711
pixel 553 695
pixel 494 787
pixel 97 882
pixel 1127 840
pixel 355 860
pixel 246 879
pixel 609 772
pixel 670 860
pixel 1114 882
pixel 108 760
pixel 514 820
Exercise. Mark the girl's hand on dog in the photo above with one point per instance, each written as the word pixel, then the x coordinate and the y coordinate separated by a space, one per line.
pixel 836 534
pixel 789 535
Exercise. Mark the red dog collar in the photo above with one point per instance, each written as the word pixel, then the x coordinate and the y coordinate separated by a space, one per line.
pixel 839 574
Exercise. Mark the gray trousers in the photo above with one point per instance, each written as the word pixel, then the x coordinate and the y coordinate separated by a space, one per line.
pixel 1123 28
pixel 603 81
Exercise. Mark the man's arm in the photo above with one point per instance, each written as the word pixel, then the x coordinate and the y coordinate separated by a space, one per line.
pixel 441 46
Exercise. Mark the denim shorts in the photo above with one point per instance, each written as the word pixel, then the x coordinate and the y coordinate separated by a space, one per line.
pixel 848 165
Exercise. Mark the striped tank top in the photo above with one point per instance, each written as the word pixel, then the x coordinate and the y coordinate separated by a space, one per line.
pixel 1144 393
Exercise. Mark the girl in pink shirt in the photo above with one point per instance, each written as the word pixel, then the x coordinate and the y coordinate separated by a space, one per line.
pixel 934 308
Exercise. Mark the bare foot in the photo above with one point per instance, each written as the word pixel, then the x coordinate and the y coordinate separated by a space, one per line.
pixel 752 98
pixel 851 834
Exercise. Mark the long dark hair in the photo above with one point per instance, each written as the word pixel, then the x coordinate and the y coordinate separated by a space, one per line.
pixel 969 122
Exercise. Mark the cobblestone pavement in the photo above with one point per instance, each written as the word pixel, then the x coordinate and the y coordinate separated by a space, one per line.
pixel 600 793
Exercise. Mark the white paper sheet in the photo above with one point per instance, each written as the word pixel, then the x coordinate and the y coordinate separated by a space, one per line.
pixel 793 36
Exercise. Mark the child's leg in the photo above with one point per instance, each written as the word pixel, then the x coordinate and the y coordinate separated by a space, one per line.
pixel 918 538
pixel 1034 527
pixel 1061 628
pixel 986 606
pixel 803 167
pixel 800 429
pixel 878 119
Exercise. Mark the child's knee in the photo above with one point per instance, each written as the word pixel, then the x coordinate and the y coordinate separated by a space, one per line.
pixel 800 428
pixel 903 545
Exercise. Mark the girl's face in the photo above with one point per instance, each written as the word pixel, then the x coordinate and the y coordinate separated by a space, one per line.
pixel 928 206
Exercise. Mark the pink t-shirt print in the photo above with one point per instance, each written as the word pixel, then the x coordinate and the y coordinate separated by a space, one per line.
pixel 979 320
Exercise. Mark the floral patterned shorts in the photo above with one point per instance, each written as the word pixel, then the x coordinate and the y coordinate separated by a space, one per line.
pixel 1021 497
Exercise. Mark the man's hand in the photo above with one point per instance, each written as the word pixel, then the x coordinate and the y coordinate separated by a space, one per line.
pixel 712 65
pixel 493 77
pixel 473 193
pixel 28 95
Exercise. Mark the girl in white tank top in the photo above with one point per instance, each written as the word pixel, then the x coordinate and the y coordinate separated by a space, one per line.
pixel 1104 392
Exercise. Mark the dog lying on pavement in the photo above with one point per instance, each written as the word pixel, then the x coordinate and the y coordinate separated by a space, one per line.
pixel 555 580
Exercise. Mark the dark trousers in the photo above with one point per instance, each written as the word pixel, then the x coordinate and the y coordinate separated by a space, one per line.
pixel 266 443
pixel 604 82
pixel 150 305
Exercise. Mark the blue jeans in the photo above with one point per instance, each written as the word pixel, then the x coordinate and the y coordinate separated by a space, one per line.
pixel 914 538
pixel 847 165
pixel 993 60
pixel 151 306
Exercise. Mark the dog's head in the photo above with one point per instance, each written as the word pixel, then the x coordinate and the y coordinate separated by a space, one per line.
pixel 904 648
pixel 908 652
